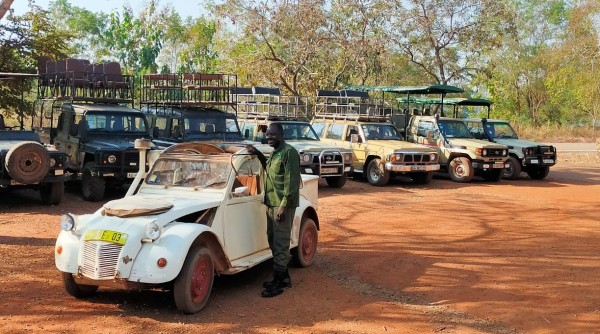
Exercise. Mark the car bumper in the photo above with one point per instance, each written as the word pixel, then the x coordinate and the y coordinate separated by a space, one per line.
pixel 325 170
pixel 411 168
pixel 539 161
pixel 480 165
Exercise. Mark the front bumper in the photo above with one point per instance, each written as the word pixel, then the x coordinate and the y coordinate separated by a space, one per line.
pixel 539 161
pixel 325 170
pixel 411 168
pixel 481 165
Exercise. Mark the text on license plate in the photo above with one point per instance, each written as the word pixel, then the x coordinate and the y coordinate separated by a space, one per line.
pixel 106 235
pixel 548 161
pixel 131 175
pixel 417 167
pixel 330 170
pixel 498 165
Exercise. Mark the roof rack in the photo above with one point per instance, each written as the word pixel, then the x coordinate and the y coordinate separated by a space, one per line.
pixel 350 104
pixel 189 90
pixel 268 103
pixel 78 80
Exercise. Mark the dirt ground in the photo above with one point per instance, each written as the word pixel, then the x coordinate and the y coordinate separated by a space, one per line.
pixel 518 256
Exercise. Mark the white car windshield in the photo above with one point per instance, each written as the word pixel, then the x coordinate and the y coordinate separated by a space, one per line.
pixel 500 130
pixel 298 131
pixel 197 173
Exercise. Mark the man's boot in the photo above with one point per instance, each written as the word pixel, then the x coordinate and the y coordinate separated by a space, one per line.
pixel 286 281
pixel 276 287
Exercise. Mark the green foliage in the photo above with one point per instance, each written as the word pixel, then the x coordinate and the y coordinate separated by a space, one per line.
pixel 23 41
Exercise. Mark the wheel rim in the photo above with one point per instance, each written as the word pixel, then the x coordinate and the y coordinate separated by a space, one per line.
pixel 375 173
pixel 309 243
pixel 509 171
pixel 460 170
pixel 200 282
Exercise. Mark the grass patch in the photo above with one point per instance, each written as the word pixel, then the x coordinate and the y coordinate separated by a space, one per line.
pixel 558 134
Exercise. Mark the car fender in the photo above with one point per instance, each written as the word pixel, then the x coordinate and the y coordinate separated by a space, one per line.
pixel 66 252
pixel 173 246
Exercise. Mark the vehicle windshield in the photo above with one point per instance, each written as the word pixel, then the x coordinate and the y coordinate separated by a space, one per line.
pixel 381 132
pixel 298 131
pixel 124 123
pixel 454 129
pixel 197 173
pixel 500 130
pixel 202 127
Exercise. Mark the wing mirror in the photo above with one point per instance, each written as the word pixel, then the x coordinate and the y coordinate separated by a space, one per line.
pixel 246 133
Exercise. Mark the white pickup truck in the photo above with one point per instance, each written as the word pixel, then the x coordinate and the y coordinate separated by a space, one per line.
pixel 198 212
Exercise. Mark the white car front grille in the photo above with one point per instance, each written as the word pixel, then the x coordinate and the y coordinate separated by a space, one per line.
pixel 100 259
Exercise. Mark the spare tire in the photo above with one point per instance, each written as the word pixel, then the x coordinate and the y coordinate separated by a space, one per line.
pixel 28 162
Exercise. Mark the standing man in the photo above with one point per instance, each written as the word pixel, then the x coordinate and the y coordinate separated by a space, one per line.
pixel 282 197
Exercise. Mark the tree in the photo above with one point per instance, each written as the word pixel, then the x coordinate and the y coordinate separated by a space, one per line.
pixel 24 41
pixel 446 38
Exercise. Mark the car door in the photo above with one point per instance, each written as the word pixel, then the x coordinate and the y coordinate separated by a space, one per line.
pixel 245 225
pixel 358 148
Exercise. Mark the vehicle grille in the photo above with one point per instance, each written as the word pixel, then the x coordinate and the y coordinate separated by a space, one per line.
pixel 129 158
pixel 100 260
pixel 416 158
pixel 328 158
pixel 494 152
pixel 546 150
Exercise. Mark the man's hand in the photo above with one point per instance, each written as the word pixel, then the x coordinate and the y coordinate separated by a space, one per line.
pixel 250 148
pixel 280 215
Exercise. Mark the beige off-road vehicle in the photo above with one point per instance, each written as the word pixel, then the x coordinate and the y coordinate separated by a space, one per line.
pixel 347 120
pixel 461 155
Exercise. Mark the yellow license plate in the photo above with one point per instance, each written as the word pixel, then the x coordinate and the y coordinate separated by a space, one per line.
pixel 106 235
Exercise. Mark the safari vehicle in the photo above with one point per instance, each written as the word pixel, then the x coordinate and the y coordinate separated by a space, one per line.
pixel 524 156
pixel 198 212
pixel 346 119
pixel 190 107
pixel 26 163
pixel 461 155
pixel 86 115
pixel 258 107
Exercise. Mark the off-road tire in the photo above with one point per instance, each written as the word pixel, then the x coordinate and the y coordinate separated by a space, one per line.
pixel 421 177
pixel 52 193
pixel 308 238
pixel 92 187
pixel 514 170
pixel 377 175
pixel 460 170
pixel 28 162
pixel 493 175
pixel 193 285
pixel 76 290
pixel 336 181
pixel 538 173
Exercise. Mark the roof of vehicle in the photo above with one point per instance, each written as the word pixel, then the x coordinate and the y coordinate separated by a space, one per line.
pixel 83 107
pixel 432 89
pixel 458 101
pixel 478 120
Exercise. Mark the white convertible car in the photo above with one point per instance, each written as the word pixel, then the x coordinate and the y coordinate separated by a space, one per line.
pixel 197 212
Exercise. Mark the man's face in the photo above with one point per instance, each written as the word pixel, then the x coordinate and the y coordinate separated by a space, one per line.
pixel 274 136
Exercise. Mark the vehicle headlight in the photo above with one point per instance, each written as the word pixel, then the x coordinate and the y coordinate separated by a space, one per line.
pixel 432 157
pixel 112 158
pixel 396 157
pixel 67 222
pixel 348 157
pixel 52 162
pixel 153 231
pixel 306 158
pixel 484 152
pixel 504 152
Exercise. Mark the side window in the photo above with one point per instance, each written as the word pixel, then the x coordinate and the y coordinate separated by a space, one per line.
pixel 335 131
pixel 249 176
pixel 160 123
pixel 319 128
pixel 424 126
pixel 352 130
pixel 176 130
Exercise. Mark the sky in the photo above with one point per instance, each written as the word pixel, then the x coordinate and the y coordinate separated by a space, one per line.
pixel 185 8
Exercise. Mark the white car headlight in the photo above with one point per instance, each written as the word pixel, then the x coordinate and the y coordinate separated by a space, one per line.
pixel 347 156
pixel 484 152
pixel 432 157
pixel 153 231
pixel 112 159
pixel 306 158
pixel 52 162
pixel 67 222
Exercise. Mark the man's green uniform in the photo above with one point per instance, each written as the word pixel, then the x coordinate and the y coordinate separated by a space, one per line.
pixel 282 189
